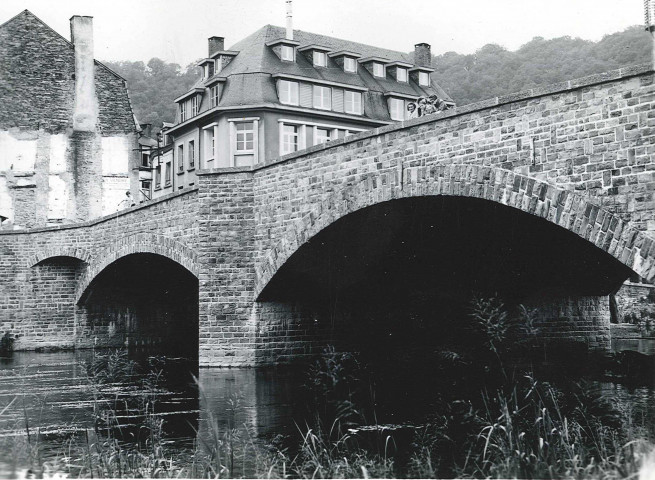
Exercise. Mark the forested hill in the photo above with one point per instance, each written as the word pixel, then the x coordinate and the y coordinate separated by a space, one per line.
pixel 489 72
pixel 494 71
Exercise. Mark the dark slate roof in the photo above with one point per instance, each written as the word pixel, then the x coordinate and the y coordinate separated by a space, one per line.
pixel 249 74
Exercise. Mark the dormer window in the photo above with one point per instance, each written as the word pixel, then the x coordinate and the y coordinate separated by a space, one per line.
pixel 218 65
pixel 401 74
pixel 320 59
pixel 205 71
pixel 182 111
pixel 286 53
pixel 349 65
pixel 423 79
pixel 195 105
pixel 378 69
pixel 345 59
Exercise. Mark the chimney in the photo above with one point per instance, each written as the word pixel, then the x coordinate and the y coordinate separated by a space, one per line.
pixel 85 112
pixel 216 44
pixel 422 55
pixel 146 129
pixel 289 35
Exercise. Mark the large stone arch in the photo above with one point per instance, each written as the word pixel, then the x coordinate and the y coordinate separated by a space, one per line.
pixel 564 208
pixel 139 243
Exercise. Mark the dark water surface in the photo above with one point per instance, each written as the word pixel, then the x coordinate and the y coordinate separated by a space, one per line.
pixel 48 395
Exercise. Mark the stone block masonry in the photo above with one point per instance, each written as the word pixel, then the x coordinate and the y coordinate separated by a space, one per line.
pixel 577 155
pixel 44 272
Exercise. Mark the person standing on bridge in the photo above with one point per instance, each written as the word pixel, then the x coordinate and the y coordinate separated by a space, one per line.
pixel 127 202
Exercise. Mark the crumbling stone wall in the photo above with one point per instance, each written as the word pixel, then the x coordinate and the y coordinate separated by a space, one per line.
pixel 48 173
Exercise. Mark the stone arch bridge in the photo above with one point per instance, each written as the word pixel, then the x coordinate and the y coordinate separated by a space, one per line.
pixel 545 196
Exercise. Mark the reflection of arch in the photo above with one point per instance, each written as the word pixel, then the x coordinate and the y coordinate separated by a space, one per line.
pixel 561 207
pixel 139 243
pixel 49 252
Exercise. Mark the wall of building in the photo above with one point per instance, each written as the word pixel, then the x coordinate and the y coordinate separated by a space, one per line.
pixel 54 170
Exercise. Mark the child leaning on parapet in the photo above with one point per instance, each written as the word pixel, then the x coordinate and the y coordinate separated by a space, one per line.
pixel 127 202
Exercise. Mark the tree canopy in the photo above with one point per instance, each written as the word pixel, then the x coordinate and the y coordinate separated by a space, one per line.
pixel 154 86
pixel 493 70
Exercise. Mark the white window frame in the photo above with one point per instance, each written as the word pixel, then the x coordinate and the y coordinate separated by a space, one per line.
pixel 423 79
pixel 285 50
pixel 378 69
pixel 349 97
pixel 400 108
pixel 209 142
pixel 329 137
pixel 168 174
pixel 299 134
pixel 182 110
pixel 205 71
pixel 289 92
pixel 180 158
pixel 234 153
pixel 349 61
pixel 214 94
pixel 191 148
pixel 402 75
pixel 195 105
pixel 322 101
pixel 320 59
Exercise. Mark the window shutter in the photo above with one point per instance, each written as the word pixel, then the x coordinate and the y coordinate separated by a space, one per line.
pixel 306 95
pixel 337 99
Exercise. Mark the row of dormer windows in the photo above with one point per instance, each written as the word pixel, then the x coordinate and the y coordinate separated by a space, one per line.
pixel 348 62
pixel 320 97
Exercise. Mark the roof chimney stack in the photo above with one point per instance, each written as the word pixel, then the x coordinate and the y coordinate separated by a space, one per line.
pixel 422 55
pixel 85 112
pixel 216 44
pixel 289 21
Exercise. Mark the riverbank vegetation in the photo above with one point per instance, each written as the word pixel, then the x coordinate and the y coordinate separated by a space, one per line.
pixel 499 413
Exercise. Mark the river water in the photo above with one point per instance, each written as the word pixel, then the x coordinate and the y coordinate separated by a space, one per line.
pixel 47 395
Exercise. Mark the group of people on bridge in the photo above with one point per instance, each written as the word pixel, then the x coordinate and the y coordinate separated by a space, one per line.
pixel 425 106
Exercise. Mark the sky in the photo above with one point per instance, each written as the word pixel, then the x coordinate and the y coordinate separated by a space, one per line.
pixel 177 30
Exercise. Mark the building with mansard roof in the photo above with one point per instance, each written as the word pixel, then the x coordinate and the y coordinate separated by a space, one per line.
pixel 278 91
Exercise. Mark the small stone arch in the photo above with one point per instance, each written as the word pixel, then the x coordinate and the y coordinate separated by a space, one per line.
pixel 564 208
pixel 139 243
pixel 54 251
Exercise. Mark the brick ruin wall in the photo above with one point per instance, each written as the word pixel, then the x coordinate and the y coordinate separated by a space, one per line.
pixel 40 271
pixel 49 174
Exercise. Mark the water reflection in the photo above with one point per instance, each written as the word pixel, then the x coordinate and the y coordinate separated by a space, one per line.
pixel 49 395
pixel 645 346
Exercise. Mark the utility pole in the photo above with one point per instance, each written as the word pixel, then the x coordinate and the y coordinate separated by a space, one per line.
pixel 649 17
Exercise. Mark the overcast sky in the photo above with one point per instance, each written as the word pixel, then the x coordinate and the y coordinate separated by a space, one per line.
pixel 177 30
